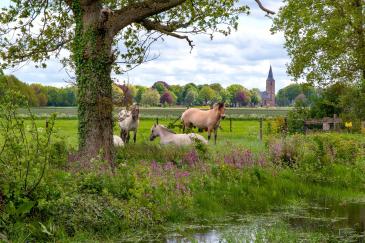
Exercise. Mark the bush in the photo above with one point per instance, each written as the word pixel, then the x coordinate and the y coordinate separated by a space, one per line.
pixel 297 117
pixel 315 150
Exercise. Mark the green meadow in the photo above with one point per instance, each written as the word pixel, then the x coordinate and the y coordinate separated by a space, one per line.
pixel 240 189
pixel 243 131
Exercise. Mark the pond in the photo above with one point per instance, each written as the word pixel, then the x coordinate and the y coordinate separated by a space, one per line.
pixel 344 223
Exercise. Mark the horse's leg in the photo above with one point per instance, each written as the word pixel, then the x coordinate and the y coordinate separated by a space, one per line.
pixel 183 128
pixel 209 132
pixel 128 137
pixel 122 135
pixel 135 136
pixel 215 135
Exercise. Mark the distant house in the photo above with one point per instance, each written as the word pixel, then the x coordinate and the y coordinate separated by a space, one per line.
pixel 268 96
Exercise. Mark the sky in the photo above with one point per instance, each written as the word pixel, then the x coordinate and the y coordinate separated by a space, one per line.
pixel 244 57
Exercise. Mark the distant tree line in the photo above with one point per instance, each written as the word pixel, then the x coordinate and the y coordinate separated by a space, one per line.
pixel 39 95
pixel 163 94
pixel 333 99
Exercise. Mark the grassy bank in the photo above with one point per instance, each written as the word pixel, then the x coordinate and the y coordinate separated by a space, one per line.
pixel 154 186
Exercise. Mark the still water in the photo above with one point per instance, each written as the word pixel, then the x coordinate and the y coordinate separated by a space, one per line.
pixel 328 223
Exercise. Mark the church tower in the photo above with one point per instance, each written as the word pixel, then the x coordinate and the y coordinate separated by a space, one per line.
pixel 270 89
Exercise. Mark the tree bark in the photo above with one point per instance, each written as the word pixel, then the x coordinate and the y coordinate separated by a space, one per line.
pixel 93 59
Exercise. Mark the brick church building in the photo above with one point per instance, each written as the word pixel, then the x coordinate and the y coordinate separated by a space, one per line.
pixel 268 96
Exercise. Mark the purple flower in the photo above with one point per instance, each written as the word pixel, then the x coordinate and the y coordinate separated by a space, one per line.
pixel 191 158
pixel 168 166
pixel 239 158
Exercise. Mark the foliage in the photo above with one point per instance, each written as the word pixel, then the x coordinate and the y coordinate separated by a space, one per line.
pixel 287 95
pixel 160 86
pixel 39 95
pixel 207 95
pixel 297 117
pixel 25 155
pixel 241 98
pixel 126 94
pixel 255 96
pixel 167 98
pixel 325 40
pixel 315 151
pixel 150 98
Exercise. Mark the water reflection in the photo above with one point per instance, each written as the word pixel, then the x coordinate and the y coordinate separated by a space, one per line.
pixel 328 223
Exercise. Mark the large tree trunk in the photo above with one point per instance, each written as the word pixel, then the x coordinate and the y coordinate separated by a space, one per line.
pixel 93 59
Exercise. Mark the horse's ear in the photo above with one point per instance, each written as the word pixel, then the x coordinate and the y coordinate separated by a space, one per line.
pixel 220 105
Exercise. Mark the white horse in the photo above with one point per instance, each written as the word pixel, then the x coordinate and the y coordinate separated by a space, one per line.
pixel 117 141
pixel 128 121
pixel 169 137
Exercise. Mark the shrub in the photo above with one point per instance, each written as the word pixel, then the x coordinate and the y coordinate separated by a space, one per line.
pixel 315 150
pixel 297 116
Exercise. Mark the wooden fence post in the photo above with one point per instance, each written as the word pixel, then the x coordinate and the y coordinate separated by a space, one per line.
pixel 305 127
pixel 157 120
pixel 46 123
pixel 230 124
pixel 261 129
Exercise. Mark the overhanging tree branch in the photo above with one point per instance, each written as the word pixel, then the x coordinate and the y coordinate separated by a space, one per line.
pixel 134 13
pixel 263 8
pixel 165 29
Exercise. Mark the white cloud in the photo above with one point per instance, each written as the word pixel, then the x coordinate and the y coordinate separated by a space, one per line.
pixel 243 57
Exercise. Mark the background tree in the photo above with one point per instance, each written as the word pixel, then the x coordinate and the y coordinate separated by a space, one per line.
pixel 232 91
pixel 241 98
pixel 93 31
pixel 191 97
pixel 223 93
pixel 286 96
pixel 325 39
pixel 160 86
pixel 150 98
pixel 167 98
pixel 139 93
pixel 255 96
pixel 206 95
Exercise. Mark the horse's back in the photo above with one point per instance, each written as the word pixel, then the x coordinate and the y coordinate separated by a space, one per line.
pixel 199 137
pixel 196 117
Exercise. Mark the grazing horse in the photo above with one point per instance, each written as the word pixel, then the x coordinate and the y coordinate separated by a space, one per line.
pixel 208 120
pixel 128 121
pixel 169 137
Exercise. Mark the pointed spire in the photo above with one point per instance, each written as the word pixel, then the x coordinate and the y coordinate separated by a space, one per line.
pixel 270 76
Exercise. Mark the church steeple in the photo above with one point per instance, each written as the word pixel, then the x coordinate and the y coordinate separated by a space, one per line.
pixel 270 76
pixel 270 89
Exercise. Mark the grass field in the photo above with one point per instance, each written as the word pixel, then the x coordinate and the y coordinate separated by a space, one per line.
pixel 243 131
pixel 173 112
pixel 153 188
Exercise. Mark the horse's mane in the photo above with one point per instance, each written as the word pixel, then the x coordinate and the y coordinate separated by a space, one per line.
pixel 166 129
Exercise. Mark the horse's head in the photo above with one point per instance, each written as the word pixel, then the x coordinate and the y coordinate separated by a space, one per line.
pixel 135 112
pixel 154 132
pixel 219 107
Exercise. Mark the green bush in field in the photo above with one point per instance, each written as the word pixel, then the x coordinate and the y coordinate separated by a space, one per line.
pixel 317 150
pixel 297 117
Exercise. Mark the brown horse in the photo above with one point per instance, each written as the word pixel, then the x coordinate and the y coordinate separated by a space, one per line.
pixel 207 120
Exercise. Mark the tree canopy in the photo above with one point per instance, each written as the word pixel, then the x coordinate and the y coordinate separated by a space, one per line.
pixel 325 39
